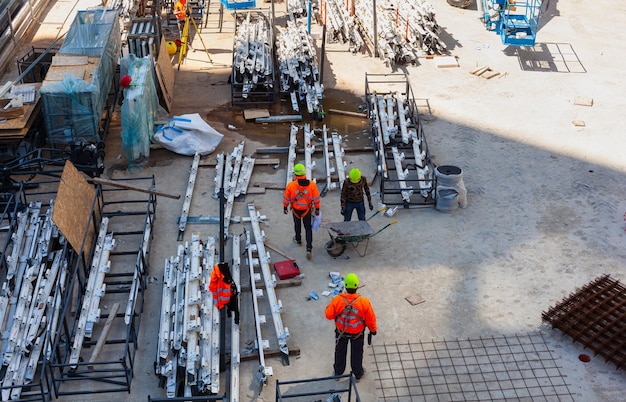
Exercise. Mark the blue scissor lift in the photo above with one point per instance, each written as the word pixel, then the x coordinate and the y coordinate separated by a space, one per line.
pixel 515 21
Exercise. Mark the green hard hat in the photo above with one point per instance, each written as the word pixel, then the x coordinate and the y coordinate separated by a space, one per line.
pixel 351 281
pixel 355 175
pixel 299 170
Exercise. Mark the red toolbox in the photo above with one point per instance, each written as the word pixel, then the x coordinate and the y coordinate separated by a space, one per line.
pixel 286 269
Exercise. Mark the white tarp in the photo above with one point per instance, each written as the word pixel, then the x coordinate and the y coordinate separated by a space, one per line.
pixel 187 134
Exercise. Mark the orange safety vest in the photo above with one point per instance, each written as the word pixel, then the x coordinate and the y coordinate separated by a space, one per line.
pixel 301 197
pixel 352 313
pixel 220 289
pixel 180 10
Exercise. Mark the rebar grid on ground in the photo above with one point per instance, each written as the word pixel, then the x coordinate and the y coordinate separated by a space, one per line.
pixel 595 316
pixel 519 368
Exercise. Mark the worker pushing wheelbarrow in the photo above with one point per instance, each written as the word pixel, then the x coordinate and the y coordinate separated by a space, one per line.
pixel 351 233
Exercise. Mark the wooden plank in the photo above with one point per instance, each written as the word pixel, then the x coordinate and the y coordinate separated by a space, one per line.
pixel 73 207
pixel 583 101
pixel 479 70
pixel 348 113
pixel 279 251
pixel 165 75
pixel 122 184
pixel 60 59
pixel 578 123
pixel 446 62
pixel 490 74
pixel 270 186
pixel 251 114
pixel 104 334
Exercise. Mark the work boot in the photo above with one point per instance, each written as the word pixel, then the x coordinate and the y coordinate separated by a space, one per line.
pixel 308 254
pixel 362 375
pixel 298 242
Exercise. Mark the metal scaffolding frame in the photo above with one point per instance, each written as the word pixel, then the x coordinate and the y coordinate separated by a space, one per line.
pixel 125 283
pixel 403 161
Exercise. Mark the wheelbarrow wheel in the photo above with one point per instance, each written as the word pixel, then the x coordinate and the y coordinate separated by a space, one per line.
pixel 334 248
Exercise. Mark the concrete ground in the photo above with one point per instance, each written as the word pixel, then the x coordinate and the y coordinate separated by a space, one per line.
pixel 546 198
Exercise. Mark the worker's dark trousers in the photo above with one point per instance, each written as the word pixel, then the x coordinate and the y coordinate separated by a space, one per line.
pixel 308 230
pixel 360 210
pixel 356 353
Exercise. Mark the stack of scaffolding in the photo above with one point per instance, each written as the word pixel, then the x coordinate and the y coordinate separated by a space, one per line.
pixel 76 88
pixel 399 144
pixel 405 29
pixel 188 345
pixel 342 26
pixel 253 61
pixel 30 300
pixel 299 73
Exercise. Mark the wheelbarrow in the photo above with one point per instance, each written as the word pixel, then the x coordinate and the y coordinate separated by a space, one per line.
pixel 351 233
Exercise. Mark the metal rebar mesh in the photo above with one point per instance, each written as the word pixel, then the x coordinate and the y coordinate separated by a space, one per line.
pixel 513 368
pixel 595 316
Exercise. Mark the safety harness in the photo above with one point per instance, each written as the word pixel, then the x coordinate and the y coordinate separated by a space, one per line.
pixel 346 315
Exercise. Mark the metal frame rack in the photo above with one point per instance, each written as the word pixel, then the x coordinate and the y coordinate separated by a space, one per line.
pixel 23 376
pixel 245 88
pixel 335 386
pixel 400 149
pixel 124 282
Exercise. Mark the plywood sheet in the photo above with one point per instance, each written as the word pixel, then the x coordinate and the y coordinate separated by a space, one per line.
pixel 69 60
pixel 73 207
pixel 165 75
pixel 251 114
pixel 59 74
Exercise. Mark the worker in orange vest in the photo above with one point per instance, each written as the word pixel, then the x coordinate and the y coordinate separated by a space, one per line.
pixel 304 197
pixel 180 12
pixel 224 290
pixel 352 313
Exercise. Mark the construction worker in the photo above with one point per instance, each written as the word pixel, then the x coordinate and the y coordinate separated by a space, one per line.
pixel 224 290
pixel 304 197
pixel 352 195
pixel 180 12
pixel 352 313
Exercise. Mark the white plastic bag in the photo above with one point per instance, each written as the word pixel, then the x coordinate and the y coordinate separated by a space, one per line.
pixel 317 222
pixel 188 134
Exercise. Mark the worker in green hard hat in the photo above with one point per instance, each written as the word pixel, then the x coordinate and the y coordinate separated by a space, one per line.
pixel 352 195
pixel 304 198
pixel 352 314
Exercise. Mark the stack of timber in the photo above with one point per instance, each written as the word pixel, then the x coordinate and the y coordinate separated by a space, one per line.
pixel 253 68
pixel 299 73
pixel 405 29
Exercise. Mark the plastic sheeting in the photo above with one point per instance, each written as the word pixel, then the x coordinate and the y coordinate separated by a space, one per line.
pixel 138 109
pixel 188 134
pixel 72 111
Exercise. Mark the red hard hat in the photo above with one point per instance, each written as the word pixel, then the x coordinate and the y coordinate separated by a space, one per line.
pixel 125 81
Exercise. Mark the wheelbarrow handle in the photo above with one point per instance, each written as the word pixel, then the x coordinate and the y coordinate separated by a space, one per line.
pixel 385 227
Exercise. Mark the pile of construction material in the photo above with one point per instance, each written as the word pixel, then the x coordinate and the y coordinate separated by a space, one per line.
pixel 342 25
pixel 297 8
pixel 189 340
pixel 75 91
pixel 30 299
pixel 297 62
pixel 405 29
pixel 253 62
pixel 397 135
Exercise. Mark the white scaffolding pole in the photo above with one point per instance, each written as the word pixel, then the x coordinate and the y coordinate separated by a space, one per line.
pixel 259 319
pixel 235 355
pixel 291 159
pixel 338 151
pixel 188 195
pixel 309 149
pixel 282 332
